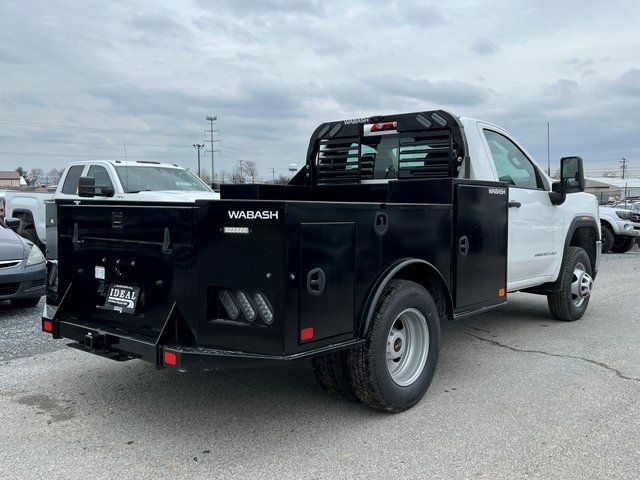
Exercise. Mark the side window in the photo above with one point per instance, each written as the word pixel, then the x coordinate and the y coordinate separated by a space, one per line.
pixel 512 165
pixel 101 175
pixel 70 186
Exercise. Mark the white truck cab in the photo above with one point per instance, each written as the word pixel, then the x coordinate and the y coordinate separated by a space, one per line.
pixel 539 230
pixel 143 181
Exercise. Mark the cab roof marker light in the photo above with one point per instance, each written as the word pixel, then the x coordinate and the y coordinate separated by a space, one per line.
pixel 424 121
pixel 439 119
pixel 236 230
pixel 323 130
pixel 336 128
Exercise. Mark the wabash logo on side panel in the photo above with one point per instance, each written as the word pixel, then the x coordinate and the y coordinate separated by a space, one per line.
pixel 253 214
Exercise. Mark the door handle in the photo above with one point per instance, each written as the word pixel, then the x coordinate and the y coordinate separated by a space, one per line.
pixel 463 245
pixel 514 204
pixel 316 281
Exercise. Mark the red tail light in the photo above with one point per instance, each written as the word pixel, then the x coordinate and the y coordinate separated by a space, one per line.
pixel 47 326
pixel 170 358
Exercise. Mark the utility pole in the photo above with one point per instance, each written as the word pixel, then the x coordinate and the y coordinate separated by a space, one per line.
pixel 623 167
pixel 273 175
pixel 212 119
pixel 198 146
pixel 548 152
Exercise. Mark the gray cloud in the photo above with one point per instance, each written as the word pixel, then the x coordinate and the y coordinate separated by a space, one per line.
pixel 483 46
pixel 273 70
pixel 628 83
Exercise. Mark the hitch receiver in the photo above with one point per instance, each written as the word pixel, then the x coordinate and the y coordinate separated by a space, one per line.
pixel 94 341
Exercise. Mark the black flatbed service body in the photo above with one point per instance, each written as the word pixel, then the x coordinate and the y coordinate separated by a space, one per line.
pixel 316 254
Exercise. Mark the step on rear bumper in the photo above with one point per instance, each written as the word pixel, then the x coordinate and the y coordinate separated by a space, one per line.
pixel 121 347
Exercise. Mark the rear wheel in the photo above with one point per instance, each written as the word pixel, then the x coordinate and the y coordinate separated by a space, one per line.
pixel 25 302
pixel 607 239
pixel 570 302
pixel 332 373
pixel 623 244
pixel 394 369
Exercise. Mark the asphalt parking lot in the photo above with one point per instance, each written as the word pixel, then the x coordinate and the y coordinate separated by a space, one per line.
pixel 516 395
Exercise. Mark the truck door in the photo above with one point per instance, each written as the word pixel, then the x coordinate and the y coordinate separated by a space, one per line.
pixel 535 225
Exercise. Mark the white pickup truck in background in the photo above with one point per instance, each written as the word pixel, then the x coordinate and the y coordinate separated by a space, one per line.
pixel 142 181
pixel 620 228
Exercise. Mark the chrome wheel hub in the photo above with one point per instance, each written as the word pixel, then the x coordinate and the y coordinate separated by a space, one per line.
pixel 407 347
pixel 581 285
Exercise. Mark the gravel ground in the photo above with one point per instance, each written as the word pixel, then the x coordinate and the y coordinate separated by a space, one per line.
pixel 516 395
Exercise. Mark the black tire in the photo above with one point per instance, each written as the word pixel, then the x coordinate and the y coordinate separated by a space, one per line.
pixel 25 302
pixel 332 373
pixel 371 380
pixel 607 239
pixel 623 244
pixel 561 303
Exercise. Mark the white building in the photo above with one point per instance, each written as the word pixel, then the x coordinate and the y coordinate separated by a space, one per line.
pixel 611 188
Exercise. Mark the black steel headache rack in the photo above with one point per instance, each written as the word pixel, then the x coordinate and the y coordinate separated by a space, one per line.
pixel 427 144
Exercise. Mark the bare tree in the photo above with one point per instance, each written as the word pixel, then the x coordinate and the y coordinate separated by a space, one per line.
pixel 54 175
pixel 237 176
pixel 251 170
pixel 36 175
pixel 281 180
pixel 205 177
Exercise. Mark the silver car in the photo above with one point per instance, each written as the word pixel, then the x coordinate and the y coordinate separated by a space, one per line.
pixel 22 268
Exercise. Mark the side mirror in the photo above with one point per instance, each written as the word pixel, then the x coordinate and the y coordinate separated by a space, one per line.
pixel 86 187
pixel 12 223
pixel 571 179
pixel 572 174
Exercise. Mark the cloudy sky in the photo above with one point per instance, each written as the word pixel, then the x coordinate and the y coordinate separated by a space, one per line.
pixel 77 79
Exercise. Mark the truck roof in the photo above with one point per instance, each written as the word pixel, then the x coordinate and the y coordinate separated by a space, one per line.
pixel 129 163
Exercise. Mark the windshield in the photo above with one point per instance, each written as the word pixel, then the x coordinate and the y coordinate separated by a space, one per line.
pixel 143 179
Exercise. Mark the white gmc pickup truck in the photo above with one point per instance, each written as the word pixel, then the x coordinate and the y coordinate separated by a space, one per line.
pixel 394 224
pixel 139 181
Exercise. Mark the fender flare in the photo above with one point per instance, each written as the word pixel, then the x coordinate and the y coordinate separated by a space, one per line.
pixel 383 280
pixel 581 221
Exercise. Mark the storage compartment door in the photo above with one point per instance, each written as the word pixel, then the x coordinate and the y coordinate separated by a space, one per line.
pixel 480 245
pixel 327 279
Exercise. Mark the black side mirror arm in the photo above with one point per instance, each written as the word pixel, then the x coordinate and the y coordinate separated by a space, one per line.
pixel 557 195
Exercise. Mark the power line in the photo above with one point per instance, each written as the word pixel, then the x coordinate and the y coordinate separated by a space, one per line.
pixel 88 142
pixel 90 129
pixel 89 155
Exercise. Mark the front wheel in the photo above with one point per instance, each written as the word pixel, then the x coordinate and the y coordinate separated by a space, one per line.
pixel 394 369
pixel 607 239
pixel 570 301
pixel 623 244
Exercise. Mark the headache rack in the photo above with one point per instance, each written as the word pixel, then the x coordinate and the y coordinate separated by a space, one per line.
pixel 408 145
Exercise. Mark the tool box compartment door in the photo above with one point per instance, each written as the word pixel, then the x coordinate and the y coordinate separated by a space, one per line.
pixel 480 248
pixel 327 279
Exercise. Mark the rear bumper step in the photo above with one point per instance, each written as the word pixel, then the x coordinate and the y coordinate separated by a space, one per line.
pixel 115 346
